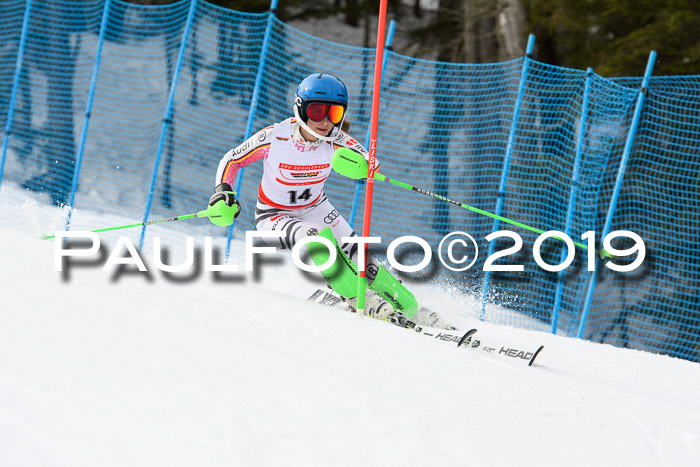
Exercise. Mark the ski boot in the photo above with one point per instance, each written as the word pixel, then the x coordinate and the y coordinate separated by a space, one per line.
pixel 427 317
pixel 378 308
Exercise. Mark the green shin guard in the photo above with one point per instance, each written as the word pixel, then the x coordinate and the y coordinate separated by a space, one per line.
pixel 342 275
pixel 388 287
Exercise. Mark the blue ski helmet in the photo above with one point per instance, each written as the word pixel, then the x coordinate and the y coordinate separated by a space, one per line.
pixel 320 87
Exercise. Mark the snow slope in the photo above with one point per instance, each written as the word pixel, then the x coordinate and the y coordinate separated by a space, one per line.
pixel 118 369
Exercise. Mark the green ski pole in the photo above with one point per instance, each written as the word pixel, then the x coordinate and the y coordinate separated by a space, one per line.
pixel 203 213
pixel 353 165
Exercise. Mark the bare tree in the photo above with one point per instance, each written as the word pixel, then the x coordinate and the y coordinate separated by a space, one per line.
pixel 511 29
pixel 479 30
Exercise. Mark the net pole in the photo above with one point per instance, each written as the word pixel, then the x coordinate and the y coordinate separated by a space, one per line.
pixel 506 165
pixel 167 119
pixel 15 85
pixel 583 123
pixel 629 142
pixel 88 111
pixel 362 282
pixel 255 98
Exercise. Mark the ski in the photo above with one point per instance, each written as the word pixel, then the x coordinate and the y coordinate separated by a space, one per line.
pixel 468 340
pixel 448 335
pixel 442 335
pixel 501 350
pixel 324 298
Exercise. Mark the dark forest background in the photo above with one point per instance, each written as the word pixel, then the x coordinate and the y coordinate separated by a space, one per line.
pixel 612 36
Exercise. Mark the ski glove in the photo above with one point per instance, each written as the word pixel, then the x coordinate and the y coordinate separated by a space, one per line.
pixel 223 205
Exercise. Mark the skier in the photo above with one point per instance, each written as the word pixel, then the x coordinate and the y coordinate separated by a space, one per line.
pixel 296 156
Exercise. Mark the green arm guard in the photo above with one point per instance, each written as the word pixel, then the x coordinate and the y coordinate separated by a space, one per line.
pixel 223 206
pixel 222 214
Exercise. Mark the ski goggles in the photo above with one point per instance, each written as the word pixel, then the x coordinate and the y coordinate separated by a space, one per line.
pixel 318 111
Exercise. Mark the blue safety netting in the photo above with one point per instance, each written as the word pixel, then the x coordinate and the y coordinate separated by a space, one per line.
pixel 124 110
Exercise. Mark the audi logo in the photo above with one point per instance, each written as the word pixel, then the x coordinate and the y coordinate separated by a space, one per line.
pixel 333 215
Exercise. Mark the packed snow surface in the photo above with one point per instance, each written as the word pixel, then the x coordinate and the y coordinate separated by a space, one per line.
pixel 99 368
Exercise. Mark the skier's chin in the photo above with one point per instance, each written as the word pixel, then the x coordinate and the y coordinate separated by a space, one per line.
pixel 321 130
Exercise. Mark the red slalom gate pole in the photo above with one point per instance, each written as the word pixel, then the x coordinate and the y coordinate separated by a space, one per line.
pixel 362 282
